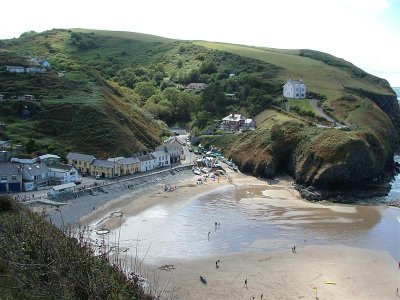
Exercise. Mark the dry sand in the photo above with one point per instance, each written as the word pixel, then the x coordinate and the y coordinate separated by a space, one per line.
pixel 356 273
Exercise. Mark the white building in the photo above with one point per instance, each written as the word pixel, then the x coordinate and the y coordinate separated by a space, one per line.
pixel 147 162
pixel 174 149
pixel 35 176
pixel 162 158
pixel 62 188
pixel 61 174
pixel 294 89
pixel 15 69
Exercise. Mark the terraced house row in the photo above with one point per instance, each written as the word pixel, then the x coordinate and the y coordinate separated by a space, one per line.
pixel 121 166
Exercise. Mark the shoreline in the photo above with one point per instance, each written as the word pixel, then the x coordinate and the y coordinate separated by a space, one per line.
pixel 278 275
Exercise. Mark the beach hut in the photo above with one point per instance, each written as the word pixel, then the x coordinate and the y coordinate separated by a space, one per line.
pixel 62 188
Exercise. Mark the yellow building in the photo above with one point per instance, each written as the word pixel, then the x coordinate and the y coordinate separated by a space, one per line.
pixel 103 168
pixel 129 165
pixel 81 162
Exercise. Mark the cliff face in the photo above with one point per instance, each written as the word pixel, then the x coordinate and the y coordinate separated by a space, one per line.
pixel 329 160
pixel 390 106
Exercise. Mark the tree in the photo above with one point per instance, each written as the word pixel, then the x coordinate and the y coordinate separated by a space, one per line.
pixel 31 146
pixel 194 75
pixel 208 67
pixel 145 90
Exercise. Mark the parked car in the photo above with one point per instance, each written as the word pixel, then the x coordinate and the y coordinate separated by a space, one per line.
pixel 78 181
pixel 98 177
pixel 84 174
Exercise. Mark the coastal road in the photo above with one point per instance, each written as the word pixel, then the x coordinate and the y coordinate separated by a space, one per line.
pixel 319 112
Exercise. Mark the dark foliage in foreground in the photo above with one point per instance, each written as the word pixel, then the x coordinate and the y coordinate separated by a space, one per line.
pixel 37 260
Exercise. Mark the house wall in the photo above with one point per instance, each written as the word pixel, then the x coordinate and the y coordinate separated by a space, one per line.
pixel 162 161
pixel 62 177
pixel 10 183
pixel 298 91
pixel 147 165
pixel 99 170
pixel 80 165
pixel 129 168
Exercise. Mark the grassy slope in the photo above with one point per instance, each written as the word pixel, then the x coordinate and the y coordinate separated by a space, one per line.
pixel 325 158
pixel 126 35
pixel 319 77
pixel 79 111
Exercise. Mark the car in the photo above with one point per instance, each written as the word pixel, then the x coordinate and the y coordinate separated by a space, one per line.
pixel 78 181
pixel 84 174
pixel 98 177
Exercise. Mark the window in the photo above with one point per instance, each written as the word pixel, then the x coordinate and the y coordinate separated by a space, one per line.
pixel 3 177
pixel 13 177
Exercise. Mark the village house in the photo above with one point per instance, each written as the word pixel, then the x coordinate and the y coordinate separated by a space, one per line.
pixel 40 61
pixel 129 165
pixel 294 89
pixel 103 168
pixel 232 122
pixel 174 149
pixel 35 70
pixel 4 156
pixel 232 97
pixel 24 161
pixel 15 69
pixel 147 162
pixel 62 189
pixel 81 162
pixel 60 174
pixel 4 145
pixel 162 158
pixel 249 124
pixel 195 86
pixel 10 178
pixel 49 159
pixel 26 98
pixel 35 176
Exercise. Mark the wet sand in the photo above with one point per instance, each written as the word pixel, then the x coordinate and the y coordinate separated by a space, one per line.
pixel 357 273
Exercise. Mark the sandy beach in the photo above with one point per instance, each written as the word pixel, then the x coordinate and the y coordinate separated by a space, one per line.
pixel 337 272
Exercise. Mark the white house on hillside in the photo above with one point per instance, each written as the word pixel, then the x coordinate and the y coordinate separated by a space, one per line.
pixel 294 89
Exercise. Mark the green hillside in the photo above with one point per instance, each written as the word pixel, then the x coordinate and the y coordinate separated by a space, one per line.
pixel 122 89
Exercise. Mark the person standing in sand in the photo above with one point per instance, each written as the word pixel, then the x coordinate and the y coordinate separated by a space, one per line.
pixel 245 283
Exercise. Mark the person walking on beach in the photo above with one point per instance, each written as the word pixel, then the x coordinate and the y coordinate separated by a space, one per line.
pixel 262 296
pixel 209 235
pixel 245 283
pixel 294 249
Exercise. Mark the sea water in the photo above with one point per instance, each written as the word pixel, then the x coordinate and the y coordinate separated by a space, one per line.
pixel 241 219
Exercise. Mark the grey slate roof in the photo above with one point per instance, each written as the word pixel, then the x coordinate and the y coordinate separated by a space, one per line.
pixel 293 82
pixel 36 169
pixel 103 163
pixel 80 156
pixel 60 167
pixel 9 169
pixel 157 154
pixel 146 157
pixel 129 160
pixel 172 145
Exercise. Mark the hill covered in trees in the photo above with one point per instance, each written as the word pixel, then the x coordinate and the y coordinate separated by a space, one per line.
pixel 121 90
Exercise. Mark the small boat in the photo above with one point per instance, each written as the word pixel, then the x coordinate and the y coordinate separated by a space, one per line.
pixel 203 279
pixel 205 170
pixel 197 171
